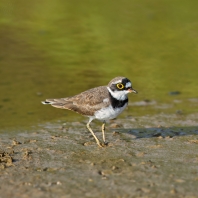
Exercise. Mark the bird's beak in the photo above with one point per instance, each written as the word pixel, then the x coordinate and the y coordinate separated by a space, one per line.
pixel 131 90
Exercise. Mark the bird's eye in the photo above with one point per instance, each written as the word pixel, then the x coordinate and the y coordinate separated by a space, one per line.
pixel 120 86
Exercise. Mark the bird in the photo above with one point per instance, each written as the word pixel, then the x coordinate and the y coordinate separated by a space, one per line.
pixel 102 103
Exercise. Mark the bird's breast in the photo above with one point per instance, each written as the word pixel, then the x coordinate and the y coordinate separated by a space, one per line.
pixel 109 112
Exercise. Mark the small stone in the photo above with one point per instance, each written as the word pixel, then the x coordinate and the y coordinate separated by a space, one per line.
pixel 92 164
pixel 32 141
pixel 157 134
pixel 173 93
pixel 114 168
pixel 140 154
pixel 15 142
pixel 179 180
pixel 2 166
pixel 173 191
pixel 115 125
pixel 193 141
pixel 155 146
pixel 145 190
pixel 88 143
pixel 116 133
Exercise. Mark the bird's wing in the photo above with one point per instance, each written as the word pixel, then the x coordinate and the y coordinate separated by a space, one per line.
pixel 85 103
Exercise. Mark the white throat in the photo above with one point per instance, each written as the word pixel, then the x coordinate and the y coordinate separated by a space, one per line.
pixel 119 95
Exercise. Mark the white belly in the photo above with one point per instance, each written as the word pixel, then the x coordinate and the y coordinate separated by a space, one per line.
pixel 108 113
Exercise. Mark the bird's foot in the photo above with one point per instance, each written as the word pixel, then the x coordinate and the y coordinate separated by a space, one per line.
pixel 104 144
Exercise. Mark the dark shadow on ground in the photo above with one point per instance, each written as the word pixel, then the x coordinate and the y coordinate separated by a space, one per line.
pixel 159 132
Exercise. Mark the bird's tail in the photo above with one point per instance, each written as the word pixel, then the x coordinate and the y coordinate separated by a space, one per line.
pixel 48 101
pixel 58 103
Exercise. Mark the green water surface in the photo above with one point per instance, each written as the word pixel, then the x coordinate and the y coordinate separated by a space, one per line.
pixel 52 49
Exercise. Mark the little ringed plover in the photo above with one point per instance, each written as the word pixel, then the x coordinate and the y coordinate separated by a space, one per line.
pixel 102 103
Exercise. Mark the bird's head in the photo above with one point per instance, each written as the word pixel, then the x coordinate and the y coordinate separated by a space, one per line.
pixel 119 87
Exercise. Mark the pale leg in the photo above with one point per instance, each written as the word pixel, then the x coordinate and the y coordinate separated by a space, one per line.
pixel 103 132
pixel 97 141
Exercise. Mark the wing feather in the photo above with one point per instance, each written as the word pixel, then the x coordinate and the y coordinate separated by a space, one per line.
pixel 85 103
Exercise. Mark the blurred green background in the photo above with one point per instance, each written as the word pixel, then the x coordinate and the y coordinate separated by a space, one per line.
pixel 52 49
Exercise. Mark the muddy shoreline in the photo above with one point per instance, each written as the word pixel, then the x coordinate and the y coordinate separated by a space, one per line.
pixel 62 159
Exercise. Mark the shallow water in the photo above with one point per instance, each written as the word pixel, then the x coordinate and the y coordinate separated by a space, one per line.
pixel 56 49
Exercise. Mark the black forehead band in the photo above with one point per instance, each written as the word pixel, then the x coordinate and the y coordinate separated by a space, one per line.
pixel 125 81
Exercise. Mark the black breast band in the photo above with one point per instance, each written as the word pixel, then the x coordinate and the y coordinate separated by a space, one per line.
pixel 117 103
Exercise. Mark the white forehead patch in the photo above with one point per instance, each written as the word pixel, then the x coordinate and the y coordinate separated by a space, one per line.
pixel 128 85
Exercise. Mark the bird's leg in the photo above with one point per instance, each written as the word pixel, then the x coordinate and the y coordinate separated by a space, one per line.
pixel 103 132
pixel 97 141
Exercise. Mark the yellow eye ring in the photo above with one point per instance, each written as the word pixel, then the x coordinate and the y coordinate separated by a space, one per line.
pixel 120 86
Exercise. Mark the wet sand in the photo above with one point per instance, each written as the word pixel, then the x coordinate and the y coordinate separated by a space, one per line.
pixel 147 156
